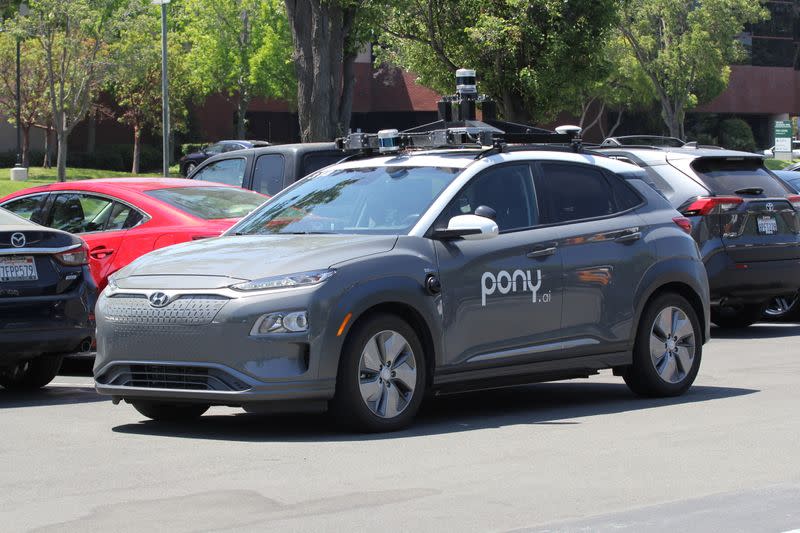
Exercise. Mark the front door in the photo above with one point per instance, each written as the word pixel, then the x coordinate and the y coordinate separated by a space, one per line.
pixel 501 297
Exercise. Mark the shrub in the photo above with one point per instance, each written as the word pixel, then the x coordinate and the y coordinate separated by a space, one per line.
pixel 189 148
pixel 736 134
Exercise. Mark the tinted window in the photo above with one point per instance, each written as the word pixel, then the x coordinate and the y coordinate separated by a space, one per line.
pixel 214 149
pixel 371 200
pixel 210 203
pixel 268 174
pixel 123 217
pixel 227 171
pixel 726 176
pixel 624 197
pixel 315 161
pixel 795 183
pixel 27 208
pixel 572 192
pixel 80 213
pixel 676 186
pixel 507 189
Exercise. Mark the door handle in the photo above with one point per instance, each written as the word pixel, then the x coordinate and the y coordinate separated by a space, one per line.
pixel 629 236
pixel 542 252
pixel 101 253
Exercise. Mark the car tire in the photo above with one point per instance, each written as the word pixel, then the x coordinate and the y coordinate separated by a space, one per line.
pixel 188 169
pixel 668 348
pixel 31 374
pixel 738 316
pixel 382 375
pixel 170 412
pixel 783 307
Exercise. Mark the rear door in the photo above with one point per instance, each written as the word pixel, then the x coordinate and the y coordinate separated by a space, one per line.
pixel 759 223
pixel 604 252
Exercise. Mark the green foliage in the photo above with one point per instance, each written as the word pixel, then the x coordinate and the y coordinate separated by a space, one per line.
pixel 189 148
pixel 532 56
pixel 736 134
pixel 685 48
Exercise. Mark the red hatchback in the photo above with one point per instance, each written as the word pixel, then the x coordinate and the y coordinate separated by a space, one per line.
pixel 123 218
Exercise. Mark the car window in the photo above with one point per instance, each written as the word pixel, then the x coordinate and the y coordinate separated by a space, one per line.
pixel 28 208
pixel 230 147
pixel 624 196
pixel 315 161
pixel 268 174
pixel 80 213
pixel 210 203
pixel 227 171
pixel 573 192
pixel 507 189
pixel 123 217
pixel 726 176
pixel 214 149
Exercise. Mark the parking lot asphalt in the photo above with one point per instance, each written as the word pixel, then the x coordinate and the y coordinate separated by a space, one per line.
pixel 569 456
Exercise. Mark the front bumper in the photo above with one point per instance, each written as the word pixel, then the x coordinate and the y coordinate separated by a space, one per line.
pixel 198 348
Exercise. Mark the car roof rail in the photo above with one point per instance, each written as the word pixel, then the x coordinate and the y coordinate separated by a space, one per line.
pixel 653 142
pixel 458 127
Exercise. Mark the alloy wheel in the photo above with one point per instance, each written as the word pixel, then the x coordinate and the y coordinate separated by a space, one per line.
pixel 387 373
pixel 672 344
pixel 780 306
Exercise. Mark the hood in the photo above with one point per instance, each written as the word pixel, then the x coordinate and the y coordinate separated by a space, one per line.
pixel 226 260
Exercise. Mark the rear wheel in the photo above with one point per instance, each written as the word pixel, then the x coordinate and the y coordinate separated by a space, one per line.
pixel 381 378
pixel 31 374
pixel 783 307
pixel 170 412
pixel 736 316
pixel 668 348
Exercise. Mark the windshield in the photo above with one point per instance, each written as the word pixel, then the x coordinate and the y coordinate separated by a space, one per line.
pixel 210 203
pixel 375 200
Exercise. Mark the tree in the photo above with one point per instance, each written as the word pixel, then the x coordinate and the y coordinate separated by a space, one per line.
pixel 241 48
pixel 327 36
pixel 33 87
pixel 685 48
pixel 74 37
pixel 135 80
pixel 530 55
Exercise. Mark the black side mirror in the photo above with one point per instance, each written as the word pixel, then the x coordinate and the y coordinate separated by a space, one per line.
pixel 486 212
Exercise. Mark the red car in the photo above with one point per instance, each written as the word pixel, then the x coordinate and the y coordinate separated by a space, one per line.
pixel 123 218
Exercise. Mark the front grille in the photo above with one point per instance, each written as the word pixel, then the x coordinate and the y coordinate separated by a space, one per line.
pixel 179 377
pixel 187 310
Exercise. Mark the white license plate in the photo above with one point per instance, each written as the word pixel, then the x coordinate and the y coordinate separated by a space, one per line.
pixel 18 268
pixel 767 225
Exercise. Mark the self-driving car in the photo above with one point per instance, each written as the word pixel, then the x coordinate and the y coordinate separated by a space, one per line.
pixel 375 281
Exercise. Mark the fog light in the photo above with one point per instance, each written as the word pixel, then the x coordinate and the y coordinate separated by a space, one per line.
pixel 294 322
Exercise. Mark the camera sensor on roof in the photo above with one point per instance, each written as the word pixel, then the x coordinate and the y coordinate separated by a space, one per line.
pixel 388 141
pixel 466 83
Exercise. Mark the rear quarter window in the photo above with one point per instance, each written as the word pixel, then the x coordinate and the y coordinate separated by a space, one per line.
pixel 315 161
pixel 726 176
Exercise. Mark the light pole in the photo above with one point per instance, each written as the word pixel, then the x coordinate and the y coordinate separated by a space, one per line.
pixel 164 89
pixel 19 172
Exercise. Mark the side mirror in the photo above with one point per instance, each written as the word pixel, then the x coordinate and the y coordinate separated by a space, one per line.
pixel 469 227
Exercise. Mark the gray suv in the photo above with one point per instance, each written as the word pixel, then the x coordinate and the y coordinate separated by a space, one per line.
pixel 746 222
pixel 378 280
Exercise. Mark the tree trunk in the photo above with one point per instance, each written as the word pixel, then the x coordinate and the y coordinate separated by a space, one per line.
pixel 48 147
pixel 26 146
pixel 91 133
pixel 61 158
pixel 241 120
pixel 137 142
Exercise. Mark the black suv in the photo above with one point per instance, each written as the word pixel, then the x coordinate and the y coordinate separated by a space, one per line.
pixel 270 169
pixel 745 220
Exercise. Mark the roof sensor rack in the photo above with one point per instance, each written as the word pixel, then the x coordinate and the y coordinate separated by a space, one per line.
pixel 458 127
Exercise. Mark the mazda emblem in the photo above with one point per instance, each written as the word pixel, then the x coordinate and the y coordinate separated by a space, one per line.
pixel 158 299
pixel 18 240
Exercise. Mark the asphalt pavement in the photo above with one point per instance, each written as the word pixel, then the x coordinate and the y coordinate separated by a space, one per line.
pixel 581 455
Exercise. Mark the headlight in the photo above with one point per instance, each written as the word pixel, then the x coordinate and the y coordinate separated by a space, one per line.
pixel 295 322
pixel 301 279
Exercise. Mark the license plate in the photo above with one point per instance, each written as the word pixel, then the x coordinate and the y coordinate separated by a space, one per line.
pixel 22 268
pixel 767 225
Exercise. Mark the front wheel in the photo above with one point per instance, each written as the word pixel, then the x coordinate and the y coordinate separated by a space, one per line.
pixel 668 348
pixel 170 412
pixel 31 374
pixel 381 377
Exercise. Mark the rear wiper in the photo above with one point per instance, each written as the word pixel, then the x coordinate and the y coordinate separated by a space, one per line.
pixel 749 190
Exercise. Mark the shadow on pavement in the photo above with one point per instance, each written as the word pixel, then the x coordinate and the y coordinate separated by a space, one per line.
pixel 765 330
pixel 547 403
pixel 50 395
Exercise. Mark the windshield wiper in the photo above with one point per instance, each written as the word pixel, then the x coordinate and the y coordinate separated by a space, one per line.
pixel 749 190
pixel 306 233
